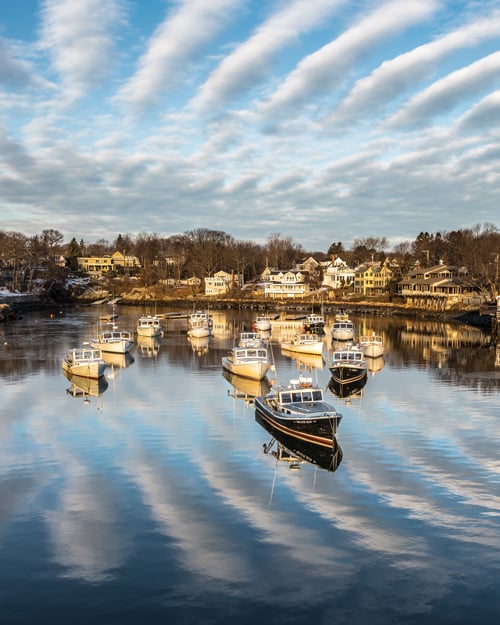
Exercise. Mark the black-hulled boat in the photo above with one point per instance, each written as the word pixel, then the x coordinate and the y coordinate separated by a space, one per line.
pixel 348 364
pixel 300 411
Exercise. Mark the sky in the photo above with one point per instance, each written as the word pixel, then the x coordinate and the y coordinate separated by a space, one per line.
pixel 319 120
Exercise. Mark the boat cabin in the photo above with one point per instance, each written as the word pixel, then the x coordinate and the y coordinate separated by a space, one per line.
pixel 299 394
pixel 109 336
pixel 348 356
pixel 249 353
pixel 83 355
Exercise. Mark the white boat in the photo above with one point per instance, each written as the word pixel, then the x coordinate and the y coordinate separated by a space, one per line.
pixel 299 410
pixel 149 325
pixel 199 328
pixel 262 322
pixel 314 323
pixel 249 362
pixel 86 362
pixel 114 341
pixel 343 328
pixel 305 344
pixel 348 364
pixel 250 339
pixel 372 345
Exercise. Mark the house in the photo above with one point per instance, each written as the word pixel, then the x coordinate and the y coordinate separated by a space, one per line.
pixel 338 274
pixel 440 286
pixel 99 265
pixel 222 282
pixel 280 284
pixel 372 278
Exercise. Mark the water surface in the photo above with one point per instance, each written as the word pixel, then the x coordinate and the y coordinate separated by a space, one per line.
pixel 153 500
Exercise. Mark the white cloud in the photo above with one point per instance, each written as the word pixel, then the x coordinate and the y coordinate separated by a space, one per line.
pixel 173 47
pixel 253 58
pixel 395 76
pixel 449 91
pixel 78 38
pixel 321 71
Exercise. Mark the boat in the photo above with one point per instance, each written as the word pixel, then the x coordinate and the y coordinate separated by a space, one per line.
pixel 304 344
pixel 248 362
pixel 84 361
pixel 199 329
pixel 113 341
pixel 343 328
pixel 299 410
pixel 296 451
pixel 348 364
pixel 315 324
pixel 262 322
pixel 149 325
pixel 250 339
pixel 372 345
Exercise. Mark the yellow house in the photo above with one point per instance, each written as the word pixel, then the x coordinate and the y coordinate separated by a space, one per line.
pixel 372 279
pixel 98 265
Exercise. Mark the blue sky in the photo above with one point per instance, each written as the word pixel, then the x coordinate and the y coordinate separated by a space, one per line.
pixel 321 120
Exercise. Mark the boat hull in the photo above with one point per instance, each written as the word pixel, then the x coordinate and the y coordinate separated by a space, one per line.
pixel 121 346
pixel 93 370
pixel 347 373
pixel 149 332
pixel 199 332
pixel 319 429
pixel 250 370
pixel 304 348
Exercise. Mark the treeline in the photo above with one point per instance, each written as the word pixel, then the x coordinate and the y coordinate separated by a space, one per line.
pixel 202 252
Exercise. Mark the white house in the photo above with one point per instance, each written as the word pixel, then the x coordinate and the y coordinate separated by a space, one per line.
pixel 222 282
pixel 280 284
pixel 338 274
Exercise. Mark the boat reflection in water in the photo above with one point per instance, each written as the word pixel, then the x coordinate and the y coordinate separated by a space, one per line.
pixel 375 364
pixel 305 362
pixel 245 388
pixel 347 390
pixel 149 346
pixel 121 361
pixel 295 451
pixel 199 344
pixel 85 387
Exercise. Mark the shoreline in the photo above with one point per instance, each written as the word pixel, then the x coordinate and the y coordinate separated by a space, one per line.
pixel 12 308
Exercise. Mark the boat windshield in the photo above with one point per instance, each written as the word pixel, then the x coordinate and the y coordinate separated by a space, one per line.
pixel 348 356
pixel 298 396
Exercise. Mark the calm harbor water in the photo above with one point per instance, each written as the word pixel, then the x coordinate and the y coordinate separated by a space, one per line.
pixel 149 499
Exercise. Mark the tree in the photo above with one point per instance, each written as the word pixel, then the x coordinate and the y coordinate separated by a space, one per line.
pixel 72 254
pixel 336 249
